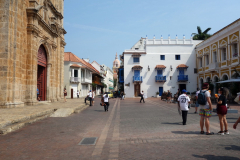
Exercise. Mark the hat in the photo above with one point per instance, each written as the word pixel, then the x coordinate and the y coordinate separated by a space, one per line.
pixel 184 91
pixel 90 91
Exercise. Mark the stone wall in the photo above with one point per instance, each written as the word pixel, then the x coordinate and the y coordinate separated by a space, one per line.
pixel 25 25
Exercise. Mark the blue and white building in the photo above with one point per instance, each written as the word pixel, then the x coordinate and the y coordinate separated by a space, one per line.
pixel 158 65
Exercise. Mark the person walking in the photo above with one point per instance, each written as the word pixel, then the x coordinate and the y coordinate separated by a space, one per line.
pixel 183 102
pixel 65 94
pixel 106 101
pixel 93 96
pixel 222 111
pixel 205 106
pixel 169 97
pixel 90 97
pixel 142 98
pixel 197 105
pixel 77 93
pixel 236 123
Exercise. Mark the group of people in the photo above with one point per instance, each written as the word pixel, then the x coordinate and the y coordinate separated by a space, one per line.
pixel 203 101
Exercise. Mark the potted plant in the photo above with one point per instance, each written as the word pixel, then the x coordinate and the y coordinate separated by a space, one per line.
pixel 157 94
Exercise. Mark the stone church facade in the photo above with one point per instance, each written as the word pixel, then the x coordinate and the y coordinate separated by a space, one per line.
pixel 31 51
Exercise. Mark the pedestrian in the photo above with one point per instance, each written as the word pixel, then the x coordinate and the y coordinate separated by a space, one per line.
pixel 169 96
pixel 93 96
pixel 142 98
pixel 65 94
pixel 106 101
pixel 196 104
pixel 90 97
pixel 236 123
pixel 205 106
pixel 183 102
pixel 38 98
pixel 178 92
pixel 123 95
pixel 77 93
pixel 222 111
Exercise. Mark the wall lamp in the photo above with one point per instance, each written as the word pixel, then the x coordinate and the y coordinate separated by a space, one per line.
pixel 171 67
pixel 148 68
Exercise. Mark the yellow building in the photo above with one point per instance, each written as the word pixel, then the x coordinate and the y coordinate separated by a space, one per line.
pixel 218 56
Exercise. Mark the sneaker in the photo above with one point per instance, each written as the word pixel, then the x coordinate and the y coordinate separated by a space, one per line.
pixel 195 112
pixel 226 132
pixel 209 133
pixel 221 133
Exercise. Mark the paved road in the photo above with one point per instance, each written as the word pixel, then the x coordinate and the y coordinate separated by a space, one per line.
pixel 129 130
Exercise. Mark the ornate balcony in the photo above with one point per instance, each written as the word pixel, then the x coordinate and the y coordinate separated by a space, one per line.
pixel 160 78
pixel 137 79
pixel 182 78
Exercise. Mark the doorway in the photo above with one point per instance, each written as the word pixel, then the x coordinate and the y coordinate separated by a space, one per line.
pixel 160 91
pixel 182 86
pixel 136 90
pixel 42 73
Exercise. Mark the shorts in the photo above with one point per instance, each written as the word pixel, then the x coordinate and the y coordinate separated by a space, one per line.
pixel 221 109
pixel 205 112
pixel 196 105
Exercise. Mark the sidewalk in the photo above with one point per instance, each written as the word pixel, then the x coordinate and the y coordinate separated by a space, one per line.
pixel 14 118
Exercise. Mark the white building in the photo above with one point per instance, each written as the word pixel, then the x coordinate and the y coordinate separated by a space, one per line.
pixel 77 75
pixel 157 65
pixel 109 78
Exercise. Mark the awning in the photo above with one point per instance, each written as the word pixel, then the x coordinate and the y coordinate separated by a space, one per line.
pixel 111 88
pixel 137 67
pixel 182 66
pixel 230 80
pixel 160 67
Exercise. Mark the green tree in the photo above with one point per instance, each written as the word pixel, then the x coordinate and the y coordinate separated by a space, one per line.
pixel 201 35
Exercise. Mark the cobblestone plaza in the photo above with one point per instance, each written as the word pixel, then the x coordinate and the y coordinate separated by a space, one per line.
pixel 129 130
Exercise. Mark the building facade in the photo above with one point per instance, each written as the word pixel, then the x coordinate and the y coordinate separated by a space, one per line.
pixel 218 57
pixel 77 76
pixel 157 65
pixel 31 51
pixel 109 78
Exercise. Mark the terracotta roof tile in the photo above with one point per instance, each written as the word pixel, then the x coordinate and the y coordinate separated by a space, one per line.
pixel 69 56
pixel 182 66
pixel 160 66
pixel 75 65
pixel 137 66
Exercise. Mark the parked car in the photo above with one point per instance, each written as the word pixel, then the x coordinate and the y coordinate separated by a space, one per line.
pixel 110 94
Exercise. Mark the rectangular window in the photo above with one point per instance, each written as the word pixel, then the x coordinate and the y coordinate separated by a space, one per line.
pixel 215 56
pixel 177 57
pixel 207 59
pixel 200 62
pixel 162 57
pixel 235 50
pixel 135 59
pixel 75 73
pixel 224 54
pixel 159 72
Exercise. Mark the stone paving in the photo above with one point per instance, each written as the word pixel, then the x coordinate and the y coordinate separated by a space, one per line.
pixel 130 130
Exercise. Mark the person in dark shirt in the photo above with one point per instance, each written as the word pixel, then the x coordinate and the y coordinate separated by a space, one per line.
pixel 222 111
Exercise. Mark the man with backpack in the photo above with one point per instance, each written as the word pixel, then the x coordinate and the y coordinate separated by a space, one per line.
pixel 205 106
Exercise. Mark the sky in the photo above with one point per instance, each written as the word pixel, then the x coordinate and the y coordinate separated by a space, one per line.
pixel 98 29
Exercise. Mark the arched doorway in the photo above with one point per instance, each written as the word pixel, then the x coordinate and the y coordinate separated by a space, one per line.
pixel 42 73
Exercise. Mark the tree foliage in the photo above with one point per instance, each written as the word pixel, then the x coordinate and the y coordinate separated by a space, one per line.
pixel 201 35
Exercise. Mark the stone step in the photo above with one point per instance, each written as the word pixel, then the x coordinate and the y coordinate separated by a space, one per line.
pixel 17 125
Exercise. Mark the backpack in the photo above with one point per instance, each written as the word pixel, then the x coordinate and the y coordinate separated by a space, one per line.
pixel 201 98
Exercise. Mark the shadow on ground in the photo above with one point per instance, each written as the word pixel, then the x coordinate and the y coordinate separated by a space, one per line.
pixel 212 157
pixel 176 123
pixel 232 147
pixel 182 132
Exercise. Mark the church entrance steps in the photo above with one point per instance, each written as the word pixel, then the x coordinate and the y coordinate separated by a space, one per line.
pixel 12 119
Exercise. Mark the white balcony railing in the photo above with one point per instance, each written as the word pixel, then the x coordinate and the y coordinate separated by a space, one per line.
pixel 86 80
pixel 214 66
pixel 75 79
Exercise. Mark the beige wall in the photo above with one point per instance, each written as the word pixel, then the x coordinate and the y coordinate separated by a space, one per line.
pixel 23 29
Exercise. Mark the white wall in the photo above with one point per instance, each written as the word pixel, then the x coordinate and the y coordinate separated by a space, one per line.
pixel 152 58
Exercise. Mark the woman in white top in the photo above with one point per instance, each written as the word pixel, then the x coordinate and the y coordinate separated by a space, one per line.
pixel 106 101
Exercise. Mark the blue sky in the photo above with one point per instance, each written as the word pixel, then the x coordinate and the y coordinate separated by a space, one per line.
pixel 97 29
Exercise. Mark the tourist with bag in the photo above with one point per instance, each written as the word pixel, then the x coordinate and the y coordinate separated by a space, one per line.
pixel 106 101
pixel 197 105
pixel 90 97
pixel 205 106
pixel 222 111
pixel 142 98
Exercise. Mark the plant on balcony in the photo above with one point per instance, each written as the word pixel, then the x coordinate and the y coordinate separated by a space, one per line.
pixel 157 93
pixel 94 86
pixel 104 85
